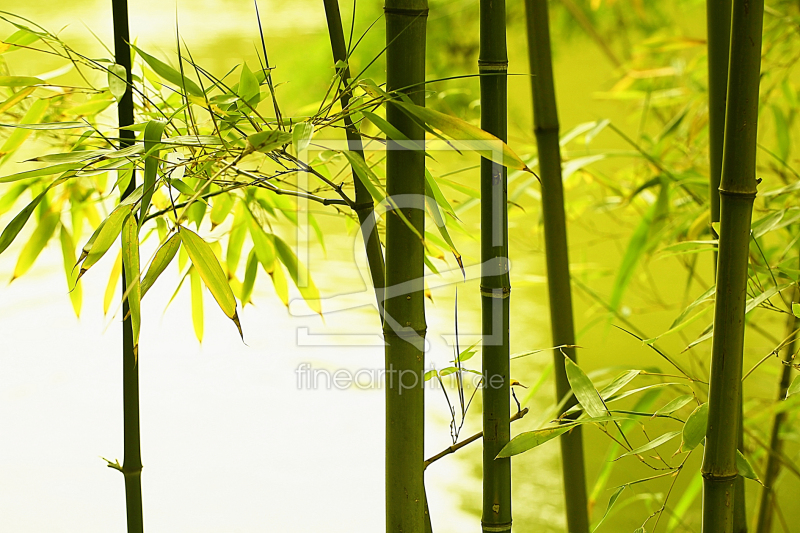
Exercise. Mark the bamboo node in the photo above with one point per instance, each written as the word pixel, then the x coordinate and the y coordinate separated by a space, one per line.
pixel 737 194
pixel 495 527
pixel 495 66
pixel 501 293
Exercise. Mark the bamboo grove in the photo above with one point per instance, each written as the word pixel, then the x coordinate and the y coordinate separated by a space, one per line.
pixel 211 174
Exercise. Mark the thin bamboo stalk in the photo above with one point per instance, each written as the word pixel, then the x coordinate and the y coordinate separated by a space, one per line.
pixel 737 194
pixel 765 506
pixel 404 322
pixel 364 203
pixel 132 462
pixel 546 127
pixel 495 284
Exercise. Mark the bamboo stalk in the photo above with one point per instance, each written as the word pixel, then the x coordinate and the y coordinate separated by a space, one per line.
pixel 364 203
pixel 546 127
pixel 132 462
pixel 737 195
pixel 495 284
pixel 404 321
pixel 765 507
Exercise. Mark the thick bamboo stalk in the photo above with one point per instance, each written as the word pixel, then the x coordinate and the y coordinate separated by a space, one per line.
pixel 364 203
pixel 765 506
pixel 495 284
pixel 132 462
pixel 404 322
pixel 737 194
pixel 546 128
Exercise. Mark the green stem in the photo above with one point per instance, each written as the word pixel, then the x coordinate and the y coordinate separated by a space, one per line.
pixel 718 21
pixel 364 202
pixel 765 507
pixel 132 462
pixel 404 321
pixel 495 285
pixel 546 127
pixel 737 194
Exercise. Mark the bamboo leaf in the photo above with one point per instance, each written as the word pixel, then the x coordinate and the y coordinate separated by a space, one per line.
pixel 674 405
pixel 655 443
pixel 197 303
pixel 279 283
pixel 220 209
pixel 618 383
pixel 15 98
pixel 39 239
pixel 694 431
pixel 744 467
pixel 113 281
pixel 794 388
pixel 301 136
pixel 168 73
pixel 130 261
pixel 249 278
pixel 39 172
pixel 104 237
pixel 17 40
pixel 236 238
pixel 392 133
pixel 209 269
pixel 297 271
pixel 248 89
pixel 611 501
pixel 20 81
pixel 47 126
pixel 32 116
pixel 117 80
pixel 267 141
pixel 152 135
pixel 481 142
pixel 73 285
pixel 584 390
pixel 781 133
pixel 433 205
pixel 72 157
pixel 162 259
pixel 262 245
pixel 93 106
pixel 796 309
pixel 530 439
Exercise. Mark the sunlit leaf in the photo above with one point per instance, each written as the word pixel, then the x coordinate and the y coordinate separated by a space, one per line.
pixel 531 439
pixel 197 303
pixel 794 388
pixel 301 136
pixel 236 238
pixel 250 273
pixel 39 239
pixel 92 107
pixel 117 80
pixel 104 236
pixel 17 40
pixel 162 259
pixel 744 467
pixel 152 136
pixel 207 265
pixel 675 404
pixel 20 81
pixel 39 172
pixel 280 283
pixel 221 208
pixel 694 431
pixel 611 501
pixel 267 141
pixel 18 136
pixel 248 89
pixel 168 73
pixel 584 390
pixel 655 443
pixel 113 281
pixel 130 260
pixel 298 273
pixel 15 98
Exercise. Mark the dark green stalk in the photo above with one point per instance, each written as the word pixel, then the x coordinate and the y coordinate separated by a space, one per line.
pixel 364 203
pixel 404 321
pixel 737 194
pixel 495 284
pixel 132 462
pixel 546 127
pixel 765 507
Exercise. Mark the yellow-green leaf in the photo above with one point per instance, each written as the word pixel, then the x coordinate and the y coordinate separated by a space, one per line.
pixel 39 239
pixel 531 439
pixel 16 98
pixel 170 74
pixel 117 80
pixel 236 238
pixel 15 140
pixel 207 265
pixel 280 283
pixel 130 260
pixel 298 273
pixel 104 237
pixel 19 81
pixel 113 281
pixel 18 222
pixel 301 136
pixel 197 303
pixel 152 135
pixel 584 390
pixel 694 431
pixel 267 141
pixel 221 208
pixel 164 256
pixel 249 278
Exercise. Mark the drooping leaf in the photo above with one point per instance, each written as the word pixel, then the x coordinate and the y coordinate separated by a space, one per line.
pixel 744 467
pixel 113 281
pixel 209 269
pixel 39 239
pixel 162 259
pixel 197 303
pixel 250 273
pixel 152 135
pixel 279 283
pixel 104 236
pixel 73 285
pixel 477 140
pixel 236 238
pixel 130 261
pixel 530 439
pixel 299 274
pixel 262 245
pixel 694 431
pixel 433 206
pixel 392 132
pixel 655 443
pixel 39 172
pixel 611 501
pixel 794 388
pixel 584 390
pixel 221 208
pixel 168 73
pixel 15 140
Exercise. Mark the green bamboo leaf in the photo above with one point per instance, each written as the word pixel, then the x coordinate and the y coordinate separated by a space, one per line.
pixel 250 273
pixel 39 239
pixel 162 259
pixel 530 439
pixel 433 205
pixel 197 303
pixel 796 309
pixel 71 157
pixel 267 141
pixel 117 80
pixel 248 89
pixel 706 297
pixel 639 244
pixel 392 133
pixel 280 283
pixel 193 140
pixel 744 467
pixel 262 245
pixel 236 238
pixel 618 383
pixel 485 144
pixel 14 99
pixel 694 431
pixel 207 265
pixel 47 126
pixel 130 260
pixel 8 200
pixel 301 136
pixel 655 443
pixel 794 388
pixel 17 40
pixel 675 404
pixel 611 501
pixel 113 281
pixel 15 140
pixel 20 81
pixel 104 237
pixel 299 274
pixel 584 390
pixel 93 106
pixel 170 74
pixel 220 209
pixel 18 222
pixel 39 172
pixel 152 136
